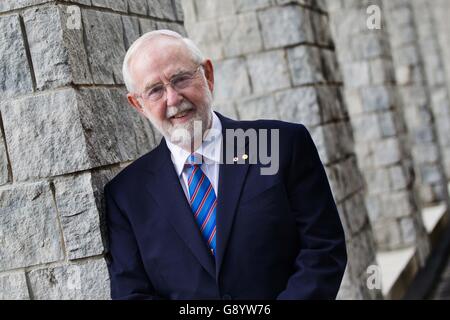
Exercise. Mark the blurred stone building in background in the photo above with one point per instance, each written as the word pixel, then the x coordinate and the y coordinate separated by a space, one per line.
pixel 369 79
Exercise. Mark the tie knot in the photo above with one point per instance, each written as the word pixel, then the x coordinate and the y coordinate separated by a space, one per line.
pixel 194 159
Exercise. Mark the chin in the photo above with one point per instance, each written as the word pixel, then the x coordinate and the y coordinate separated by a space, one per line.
pixel 184 134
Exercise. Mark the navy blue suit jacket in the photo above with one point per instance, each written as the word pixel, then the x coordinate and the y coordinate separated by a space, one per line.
pixel 278 236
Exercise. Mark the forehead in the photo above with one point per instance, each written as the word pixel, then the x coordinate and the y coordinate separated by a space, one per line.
pixel 158 59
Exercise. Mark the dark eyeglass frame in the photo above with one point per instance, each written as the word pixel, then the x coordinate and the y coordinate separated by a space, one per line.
pixel 178 82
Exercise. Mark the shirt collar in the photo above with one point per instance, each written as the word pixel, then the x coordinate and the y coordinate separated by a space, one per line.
pixel 210 148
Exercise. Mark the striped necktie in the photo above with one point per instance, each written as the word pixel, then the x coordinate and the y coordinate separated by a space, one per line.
pixel 202 199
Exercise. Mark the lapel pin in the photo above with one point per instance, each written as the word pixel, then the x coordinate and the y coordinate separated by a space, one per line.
pixel 244 156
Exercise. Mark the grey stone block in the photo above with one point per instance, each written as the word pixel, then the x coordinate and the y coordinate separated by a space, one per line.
pixel 330 100
pixel 349 290
pixel 305 65
pixel 11 5
pixel 402 35
pixel 407 55
pixel 381 71
pixel 331 70
pixel 430 174
pixel 245 5
pixel 80 217
pixel 268 71
pixel 378 180
pixel 345 180
pixel 283 26
pixel 400 179
pixel 67 131
pixel 348 22
pixel 300 105
pixel 138 6
pixel 321 29
pixel 399 12
pixel 398 204
pixel 13 286
pixel 446 155
pixel 374 207
pixel 15 75
pixel 116 5
pixel 358 248
pixel 386 121
pixel 356 212
pixel 240 34
pixel 99 178
pixel 356 75
pixel 423 135
pixel 131 30
pixel 370 46
pixel 179 13
pixel 377 98
pixel 105 47
pixel 387 234
pixel 387 152
pixel 257 108
pixel 47 129
pixel 440 102
pixel 146 25
pixel 330 147
pixel 87 281
pixel 57 52
pixel 353 101
pixel 426 153
pixel 365 128
pixel 174 26
pixel 73 40
pixel 213 9
pixel 227 109
pixel 207 37
pixel 122 136
pixel 189 12
pixel 161 9
pixel 231 79
pixel 29 230
pixel 408 229
pixel 4 163
pixel 86 2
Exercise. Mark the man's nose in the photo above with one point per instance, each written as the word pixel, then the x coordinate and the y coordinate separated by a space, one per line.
pixel 173 97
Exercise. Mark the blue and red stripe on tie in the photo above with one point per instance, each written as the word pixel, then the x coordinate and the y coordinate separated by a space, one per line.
pixel 203 203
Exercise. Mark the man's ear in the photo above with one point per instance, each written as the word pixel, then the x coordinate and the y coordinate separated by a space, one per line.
pixel 134 103
pixel 209 74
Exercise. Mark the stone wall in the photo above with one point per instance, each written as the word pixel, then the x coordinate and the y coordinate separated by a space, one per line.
pixel 440 13
pixel 417 103
pixel 436 77
pixel 381 140
pixel 66 129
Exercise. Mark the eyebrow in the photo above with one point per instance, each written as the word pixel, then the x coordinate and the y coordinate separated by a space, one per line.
pixel 176 73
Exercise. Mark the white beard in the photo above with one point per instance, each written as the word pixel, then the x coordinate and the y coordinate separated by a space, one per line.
pixel 186 135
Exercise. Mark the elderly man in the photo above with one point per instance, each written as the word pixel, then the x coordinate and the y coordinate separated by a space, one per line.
pixel 183 223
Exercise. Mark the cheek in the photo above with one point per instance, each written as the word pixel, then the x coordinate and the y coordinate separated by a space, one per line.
pixel 197 96
pixel 156 112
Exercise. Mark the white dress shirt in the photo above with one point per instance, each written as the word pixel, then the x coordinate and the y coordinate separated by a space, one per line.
pixel 210 150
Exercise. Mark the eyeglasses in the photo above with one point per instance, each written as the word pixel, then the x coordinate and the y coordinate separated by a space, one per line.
pixel 178 82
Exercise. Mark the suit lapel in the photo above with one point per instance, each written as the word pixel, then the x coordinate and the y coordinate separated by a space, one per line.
pixel 231 180
pixel 164 186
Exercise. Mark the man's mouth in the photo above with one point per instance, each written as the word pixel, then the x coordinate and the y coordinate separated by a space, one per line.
pixel 180 114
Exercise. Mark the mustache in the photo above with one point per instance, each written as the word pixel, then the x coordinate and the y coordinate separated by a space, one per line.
pixel 173 111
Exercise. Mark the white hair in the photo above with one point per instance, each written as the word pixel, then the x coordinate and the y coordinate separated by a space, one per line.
pixel 193 49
